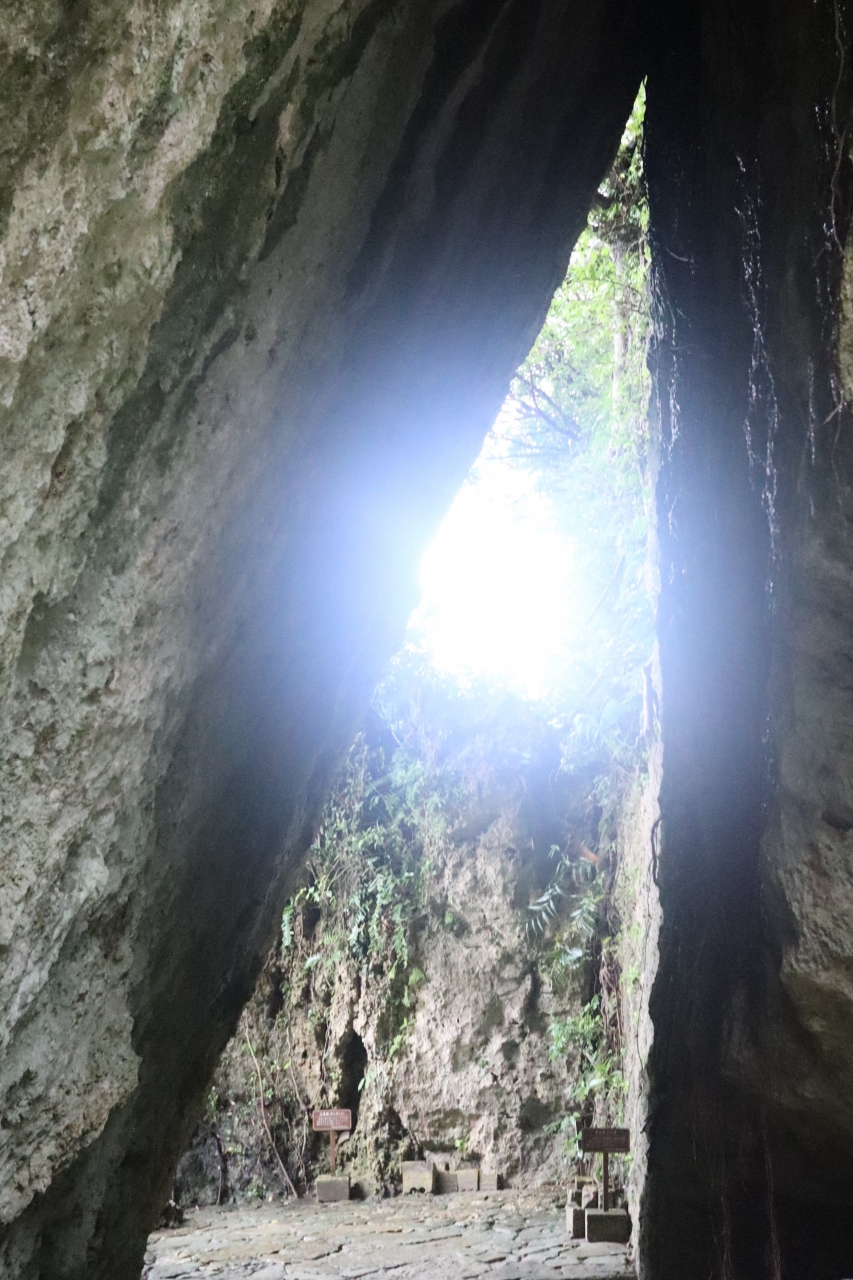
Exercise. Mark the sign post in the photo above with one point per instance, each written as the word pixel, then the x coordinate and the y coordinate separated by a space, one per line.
pixel 333 1122
pixel 605 1141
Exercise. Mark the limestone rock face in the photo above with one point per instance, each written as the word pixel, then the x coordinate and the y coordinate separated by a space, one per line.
pixel 265 270
pixel 461 1070
pixel 471 1079
pixel 476 1078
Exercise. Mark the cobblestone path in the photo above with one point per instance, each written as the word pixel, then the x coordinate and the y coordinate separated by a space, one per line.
pixel 504 1235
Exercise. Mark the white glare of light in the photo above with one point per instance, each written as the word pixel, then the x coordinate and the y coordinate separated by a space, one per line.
pixel 497 589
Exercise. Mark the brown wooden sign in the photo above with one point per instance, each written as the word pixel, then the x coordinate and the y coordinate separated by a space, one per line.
pixel 334 1121
pixel 608 1140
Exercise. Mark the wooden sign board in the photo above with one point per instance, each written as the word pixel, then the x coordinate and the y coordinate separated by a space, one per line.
pixel 607 1140
pixel 334 1121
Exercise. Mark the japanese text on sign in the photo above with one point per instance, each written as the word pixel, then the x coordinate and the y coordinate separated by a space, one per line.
pixel 339 1120
pixel 605 1140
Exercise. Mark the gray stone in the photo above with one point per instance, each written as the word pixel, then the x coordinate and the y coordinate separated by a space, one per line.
pixel 575 1221
pixel 608 1226
pixel 777 895
pixel 332 1187
pixel 420 1178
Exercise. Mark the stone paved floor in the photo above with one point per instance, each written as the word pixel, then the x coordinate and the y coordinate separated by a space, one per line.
pixel 507 1235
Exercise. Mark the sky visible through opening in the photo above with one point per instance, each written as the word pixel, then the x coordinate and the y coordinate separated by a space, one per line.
pixel 498 582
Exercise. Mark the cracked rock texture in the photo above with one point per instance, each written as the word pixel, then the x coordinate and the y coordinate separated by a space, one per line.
pixel 475 1069
pixel 265 270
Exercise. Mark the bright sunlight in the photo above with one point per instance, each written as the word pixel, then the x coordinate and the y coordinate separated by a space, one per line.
pixel 497 582
pixel 538 580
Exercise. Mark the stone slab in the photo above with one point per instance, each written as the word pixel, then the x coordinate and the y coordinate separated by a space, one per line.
pixel 489 1181
pixel 575 1221
pixel 608 1225
pixel 331 1189
pixel 577 1187
pixel 469 1236
pixel 418 1179
pixel 467 1179
pixel 445 1182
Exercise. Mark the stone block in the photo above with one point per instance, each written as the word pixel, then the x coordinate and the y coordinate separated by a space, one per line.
pixel 445 1182
pixel 575 1221
pixel 467 1179
pixel 418 1176
pixel 488 1181
pixel 331 1187
pixel 610 1226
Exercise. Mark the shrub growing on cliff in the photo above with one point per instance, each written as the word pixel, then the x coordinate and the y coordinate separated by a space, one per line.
pixel 364 895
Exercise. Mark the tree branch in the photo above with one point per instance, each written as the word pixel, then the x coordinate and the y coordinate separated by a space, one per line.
pixel 285 1175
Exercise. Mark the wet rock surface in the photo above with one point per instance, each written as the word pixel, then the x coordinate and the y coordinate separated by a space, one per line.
pixel 507 1235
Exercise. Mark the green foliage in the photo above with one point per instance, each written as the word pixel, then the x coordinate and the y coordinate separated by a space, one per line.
pixel 577 946
pixel 598 1074
pixel 565 919
pixel 571 923
pixel 460 731
pixel 365 901
pixel 368 872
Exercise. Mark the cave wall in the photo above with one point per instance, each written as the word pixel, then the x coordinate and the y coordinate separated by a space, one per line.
pixel 470 1080
pixel 636 907
pixel 475 1083
pixel 266 270
pixel 750 1133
